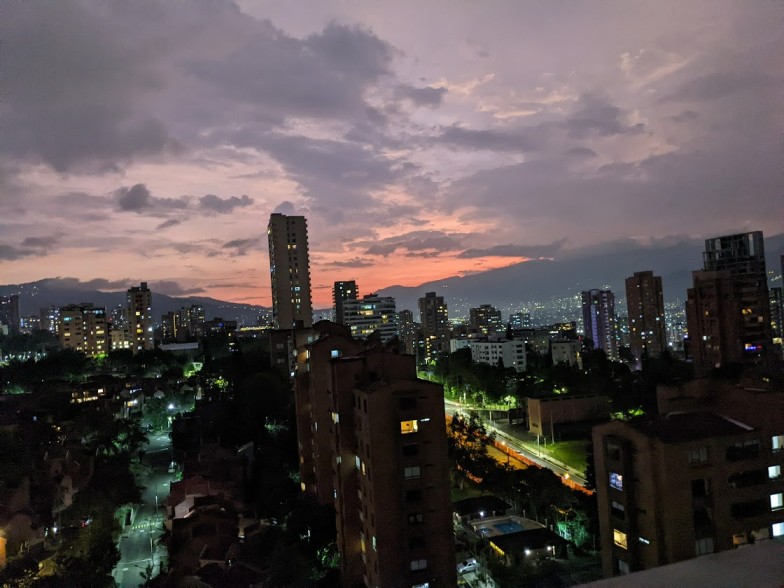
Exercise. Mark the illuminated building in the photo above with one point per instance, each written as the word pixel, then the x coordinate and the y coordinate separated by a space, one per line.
pixel 519 321
pixel 342 292
pixel 372 313
pixel 139 317
pixel 289 271
pixel 372 444
pixel 728 307
pixel 434 320
pixel 599 321
pixel 645 306
pixel 83 327
pixel 9 314
pixel 487 320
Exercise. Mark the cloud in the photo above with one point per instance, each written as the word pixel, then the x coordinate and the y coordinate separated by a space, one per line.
pixel 721 84
pixel 597 115
pixel 42 243
pixel 581 153
pixel 223 205
pixel 529 251
pixel 349 263
pixel 172 222
pixel 428 96
pixel 11 253
pixel 419 242
pixel 172 288
pixel 137 198
pixel 490 139
pixel 286 208
pixel 94 284
pixel 29 247
pixel 242 246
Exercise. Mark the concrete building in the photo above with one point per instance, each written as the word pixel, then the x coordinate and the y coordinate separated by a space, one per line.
pixel 372 443
pixel 341 292
pixel 568 351
pixel 139 308
pixel 9 314
pixel 494 352
pixel 777 318
pixel 645 307
pixel 691 483
pixel 434 318
pixel 289 271
pixel 373 313
pixel 519 321
pixel 486 320
pixel 409 332
pixel 728 308
pixel 544 414
pixel 599 322
pixel 83 327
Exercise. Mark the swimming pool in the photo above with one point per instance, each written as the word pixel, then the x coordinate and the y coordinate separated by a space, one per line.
pixel 509 527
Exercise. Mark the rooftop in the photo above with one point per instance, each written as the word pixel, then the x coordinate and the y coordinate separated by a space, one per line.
pixel 689 426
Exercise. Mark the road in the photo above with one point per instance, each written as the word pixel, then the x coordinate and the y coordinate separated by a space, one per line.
pixel 139 548
pixel 509 436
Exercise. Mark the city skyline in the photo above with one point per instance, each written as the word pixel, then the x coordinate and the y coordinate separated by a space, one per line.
pixel 155 140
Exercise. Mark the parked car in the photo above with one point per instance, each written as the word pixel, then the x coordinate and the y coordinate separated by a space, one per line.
pixel 469 565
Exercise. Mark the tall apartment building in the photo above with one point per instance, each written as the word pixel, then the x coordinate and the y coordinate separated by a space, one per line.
pixel 728 307
pixel 777 317
pixel 372 443
pixel 139 308
pixel 599 321
pixel 341 292
pixel 434 318
pixel 9 314
pixel 289 271
pixel 645 307
pixel 487 320
pixel 83 327
pixel 372 313
pixel 408 331
pixel 183 325
pixel 494 352
pixel 690 483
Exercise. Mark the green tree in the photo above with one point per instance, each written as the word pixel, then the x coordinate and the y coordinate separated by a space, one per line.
pixel 467 443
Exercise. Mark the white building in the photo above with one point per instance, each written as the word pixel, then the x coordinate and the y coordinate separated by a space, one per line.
pixel 371 313
pixel 490 352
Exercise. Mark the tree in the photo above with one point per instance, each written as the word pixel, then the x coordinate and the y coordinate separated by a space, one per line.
pixel 467 443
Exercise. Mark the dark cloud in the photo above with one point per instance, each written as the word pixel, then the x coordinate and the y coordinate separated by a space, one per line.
pixel 137 198
pixel 685 116
pixel 286 207
pixel 349 263
pixel 492 140
pixel 418 242
pixel 242 246
pixel 166 224
pixel 421 96
pixel 721 84
pixel 172 288
pixel 597 115
pixel 95 284
pixel 581 153
pixel 43 243
pixel 11 253
pixel 530 251
pixel 29 247
pixel 224 205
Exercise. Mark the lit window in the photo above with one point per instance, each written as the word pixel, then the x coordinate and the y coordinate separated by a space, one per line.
pixel 776 501
pixel 777 529
pixel 616 481
pixel 703 546
pixel 619 538
pixel 777 442
pixel 698 455
pixel 408 427
pixel 412 472
pixel 419 564
pixel 774 472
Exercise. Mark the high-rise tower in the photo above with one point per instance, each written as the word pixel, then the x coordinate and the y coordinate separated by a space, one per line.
pixel 599 321
pixel 341 292
pixel 728 309
pixel 139 307
pixel 434 317
pixel 645 304
pixel 289 271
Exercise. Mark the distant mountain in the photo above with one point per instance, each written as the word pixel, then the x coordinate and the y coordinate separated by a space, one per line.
pixel 34 296
pixel 518 286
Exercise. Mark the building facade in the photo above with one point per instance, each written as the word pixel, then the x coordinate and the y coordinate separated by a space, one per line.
pixel 434 320
pixel 9 314
pixel 372 443
pixel 495 352
pixel 645 306
pixel 486 320
pixel 83 327
pixel 372 313
pixel 289 271
pixel 690 483
pixel 139 307
pixel 599 322
pixel 341 292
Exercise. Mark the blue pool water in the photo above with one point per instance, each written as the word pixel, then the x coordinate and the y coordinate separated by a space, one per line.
pixel 508 527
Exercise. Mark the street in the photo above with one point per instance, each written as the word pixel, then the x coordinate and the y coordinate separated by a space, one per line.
pixel 139 548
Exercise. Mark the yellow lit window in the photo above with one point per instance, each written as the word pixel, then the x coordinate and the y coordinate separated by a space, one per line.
pixel 619 538
pixel 409 427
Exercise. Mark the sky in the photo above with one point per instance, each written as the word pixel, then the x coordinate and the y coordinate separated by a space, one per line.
pixel 422 139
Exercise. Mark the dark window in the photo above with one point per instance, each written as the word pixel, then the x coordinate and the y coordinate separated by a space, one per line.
pixel 416 518
pixel 408 403
pixel 416 543
pixel 412 449
pixel 413 495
